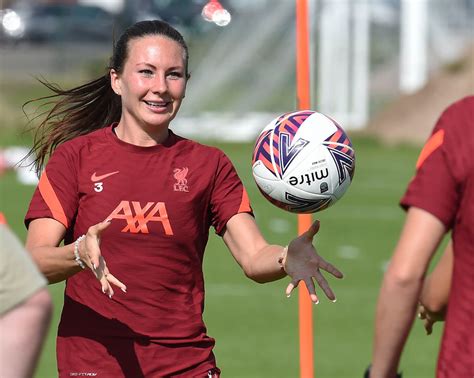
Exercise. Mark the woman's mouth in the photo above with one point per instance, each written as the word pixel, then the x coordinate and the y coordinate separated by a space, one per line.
pixel 157 104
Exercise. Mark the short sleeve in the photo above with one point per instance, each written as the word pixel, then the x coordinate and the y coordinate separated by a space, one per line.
pixel 441 168
pixel 228 196
pixel 56 195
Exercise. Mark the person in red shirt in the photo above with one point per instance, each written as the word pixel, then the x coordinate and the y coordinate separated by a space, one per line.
pixel 133 203
pixel 440 198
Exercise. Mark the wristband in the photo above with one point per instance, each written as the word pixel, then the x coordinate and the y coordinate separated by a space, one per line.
pixel 282 258
pixel 77 258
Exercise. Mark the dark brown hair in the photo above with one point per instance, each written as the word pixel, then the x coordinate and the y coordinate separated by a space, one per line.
pixel 93 105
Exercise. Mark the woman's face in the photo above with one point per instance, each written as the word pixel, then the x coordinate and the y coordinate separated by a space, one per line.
pixel 153 82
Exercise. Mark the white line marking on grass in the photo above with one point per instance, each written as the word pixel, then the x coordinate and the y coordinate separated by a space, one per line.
pixel 348 252
pixel 228 289
pixel 279 225
pixel 380 212
pixel 238 290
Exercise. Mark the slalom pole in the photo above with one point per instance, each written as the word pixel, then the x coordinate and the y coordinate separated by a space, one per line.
pixel 303 95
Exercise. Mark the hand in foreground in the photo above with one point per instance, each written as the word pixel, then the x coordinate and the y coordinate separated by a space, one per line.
pixel 89 251
pixel 429 318
pixel 302 263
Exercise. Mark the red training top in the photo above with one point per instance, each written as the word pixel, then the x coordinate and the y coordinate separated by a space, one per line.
pixel 444 186
pixel 162 201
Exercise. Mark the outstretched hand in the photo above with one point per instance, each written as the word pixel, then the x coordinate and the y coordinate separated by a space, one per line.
pixel 302 263
pixel 89 251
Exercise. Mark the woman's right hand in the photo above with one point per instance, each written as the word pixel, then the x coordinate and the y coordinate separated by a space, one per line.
pixel 89 252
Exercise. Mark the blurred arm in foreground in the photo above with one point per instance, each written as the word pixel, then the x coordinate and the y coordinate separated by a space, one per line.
pixel 25 308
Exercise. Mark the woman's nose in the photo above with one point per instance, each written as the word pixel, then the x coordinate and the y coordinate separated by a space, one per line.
pixel 159 84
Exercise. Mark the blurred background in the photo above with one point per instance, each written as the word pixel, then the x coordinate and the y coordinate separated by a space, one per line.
pixel 384 69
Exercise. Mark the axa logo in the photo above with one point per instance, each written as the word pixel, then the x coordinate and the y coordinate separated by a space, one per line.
pixel 181 184
pixel 98 180
pixel 138 217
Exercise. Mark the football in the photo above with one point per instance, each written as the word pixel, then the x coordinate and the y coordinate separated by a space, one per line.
pixel 303 162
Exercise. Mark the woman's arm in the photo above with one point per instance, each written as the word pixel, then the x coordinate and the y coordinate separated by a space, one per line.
pixel 263 262
pixel 43 239
pixel 401 289
pixel 58 263
pixel 257 258
pixel 435 293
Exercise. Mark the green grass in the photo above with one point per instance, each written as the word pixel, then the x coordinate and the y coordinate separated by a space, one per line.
pixel 256 326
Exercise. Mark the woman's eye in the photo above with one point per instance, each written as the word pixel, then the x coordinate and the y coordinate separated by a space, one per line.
pixel 146 72
pixel 175 74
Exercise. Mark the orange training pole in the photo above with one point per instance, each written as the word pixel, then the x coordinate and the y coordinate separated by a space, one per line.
pixel 304 220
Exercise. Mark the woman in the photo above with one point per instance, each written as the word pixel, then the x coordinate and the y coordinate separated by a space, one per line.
pixel 440 198
pixel 130 197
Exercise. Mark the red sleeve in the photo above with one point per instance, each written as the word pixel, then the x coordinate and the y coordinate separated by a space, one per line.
pixel 442 166
pixel 56 195
pixel 228 196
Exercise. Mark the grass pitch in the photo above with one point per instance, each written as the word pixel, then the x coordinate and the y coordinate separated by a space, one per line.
pixel 256 326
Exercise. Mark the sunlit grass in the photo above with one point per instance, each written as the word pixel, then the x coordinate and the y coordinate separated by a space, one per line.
pixel 256 326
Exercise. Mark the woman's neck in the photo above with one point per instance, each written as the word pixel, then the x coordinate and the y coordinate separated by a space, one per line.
pixel 139 136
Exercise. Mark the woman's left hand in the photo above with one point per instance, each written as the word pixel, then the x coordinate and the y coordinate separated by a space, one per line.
pixel 429 318
pixel 302 263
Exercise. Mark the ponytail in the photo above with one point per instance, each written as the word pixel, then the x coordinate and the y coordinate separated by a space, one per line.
pixel 93 105
pixel 77 111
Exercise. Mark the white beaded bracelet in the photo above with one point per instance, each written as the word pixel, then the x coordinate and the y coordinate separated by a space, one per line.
pixel 77 258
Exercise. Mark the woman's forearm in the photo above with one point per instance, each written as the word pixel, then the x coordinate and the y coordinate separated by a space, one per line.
pixel 56 263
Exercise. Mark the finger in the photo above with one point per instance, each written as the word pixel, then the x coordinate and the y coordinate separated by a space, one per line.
pixel 428 327
pixel 106 287
pixel 95 262
pixel 93 240
pixel 291 286
pixel 111 279
pixel 421 310
pixel 101 273
pixel 101 269
pixel 323 284
pixel 102 226
pixel 98 228
pixel 328 267
pixel 313 229
pixel 312 290
pixel 93 250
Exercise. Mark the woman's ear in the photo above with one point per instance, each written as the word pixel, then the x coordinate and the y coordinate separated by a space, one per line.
pixel 115 81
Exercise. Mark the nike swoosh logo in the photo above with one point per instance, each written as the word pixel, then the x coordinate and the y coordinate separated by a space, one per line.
pixel 95 178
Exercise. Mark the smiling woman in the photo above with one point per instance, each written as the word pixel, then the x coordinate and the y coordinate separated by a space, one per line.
pixel 127 195
pixel 152 86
